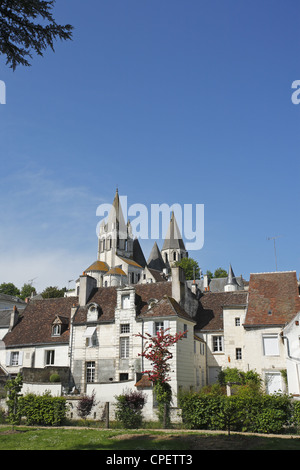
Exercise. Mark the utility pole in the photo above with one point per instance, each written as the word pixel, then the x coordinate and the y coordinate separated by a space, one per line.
pixel 274 238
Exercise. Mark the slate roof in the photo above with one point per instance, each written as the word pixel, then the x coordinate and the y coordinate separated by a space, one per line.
pixel 155 260
pixel 35 322
pixel 173 239
pixel 209 315
pixel 273 298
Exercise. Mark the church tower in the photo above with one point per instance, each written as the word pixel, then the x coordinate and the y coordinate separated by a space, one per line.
pixel 173 248
pixel 115 236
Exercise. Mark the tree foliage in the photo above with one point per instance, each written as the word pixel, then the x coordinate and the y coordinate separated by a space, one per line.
pixel 220 272
pixel 28 26
pixel 156 350
pixel 53 292
pixel 190 267
pixel 9 288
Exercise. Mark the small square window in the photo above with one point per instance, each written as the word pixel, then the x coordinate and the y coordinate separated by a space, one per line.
pixel 125 328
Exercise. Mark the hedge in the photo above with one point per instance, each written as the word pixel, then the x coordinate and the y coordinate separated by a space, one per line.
pixel 262 413
pixel 43 410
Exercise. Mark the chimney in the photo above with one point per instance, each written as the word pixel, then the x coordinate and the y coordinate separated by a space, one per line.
pixel 86 285
pixel 178 284
pixel 205 282
pixel 13 318
pixel 73 310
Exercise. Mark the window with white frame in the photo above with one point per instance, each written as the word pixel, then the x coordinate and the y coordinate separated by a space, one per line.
pixel 237 321
pixel 125 328
pixel 90 371
pixel 56 330
pixel 159 325
pixel 14 358
pixel 217 343
pixel 124 347
pixel 49 357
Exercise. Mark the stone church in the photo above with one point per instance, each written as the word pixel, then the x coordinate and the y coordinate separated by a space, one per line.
pixel 121 261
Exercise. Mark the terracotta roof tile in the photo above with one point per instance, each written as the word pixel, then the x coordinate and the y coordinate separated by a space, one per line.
pixel 273 298
pixel 35 323
pixel 210 312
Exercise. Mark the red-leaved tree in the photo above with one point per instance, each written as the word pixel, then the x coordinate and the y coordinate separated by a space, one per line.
pixel 157 351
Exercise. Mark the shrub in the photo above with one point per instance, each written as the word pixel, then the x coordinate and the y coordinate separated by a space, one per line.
pixel 129 409
pixel 43 410
pixel 54 378
pixel 260 413
pixel 85 405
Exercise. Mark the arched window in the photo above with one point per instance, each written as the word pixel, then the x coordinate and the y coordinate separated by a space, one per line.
pixel 174 256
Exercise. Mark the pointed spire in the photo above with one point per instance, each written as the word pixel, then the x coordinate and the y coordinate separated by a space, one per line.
pixel 173 238
pixel 155 260
pixel 231 280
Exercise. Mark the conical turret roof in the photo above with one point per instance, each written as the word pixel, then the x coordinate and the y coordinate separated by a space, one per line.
pixel 155 260
pixel 173 238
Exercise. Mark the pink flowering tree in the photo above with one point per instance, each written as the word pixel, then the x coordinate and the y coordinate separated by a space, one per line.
pixel 157 351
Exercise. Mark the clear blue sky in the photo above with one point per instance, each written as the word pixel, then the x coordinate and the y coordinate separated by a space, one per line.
pixel 172 101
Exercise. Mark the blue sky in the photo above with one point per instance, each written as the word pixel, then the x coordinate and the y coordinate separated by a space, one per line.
pixel 183 102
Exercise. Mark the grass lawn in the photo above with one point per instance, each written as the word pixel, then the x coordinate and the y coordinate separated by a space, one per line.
pixel 34 438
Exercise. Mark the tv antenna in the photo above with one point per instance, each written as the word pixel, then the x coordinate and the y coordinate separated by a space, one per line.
pixel 274 238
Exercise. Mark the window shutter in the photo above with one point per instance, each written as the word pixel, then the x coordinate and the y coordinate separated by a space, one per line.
pixel 8 358
pixel 20 358
pixel 166 325
pixel 151 328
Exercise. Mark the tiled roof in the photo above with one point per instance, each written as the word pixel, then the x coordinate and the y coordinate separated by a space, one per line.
pixel 210 312
pixel 273 298
pixel 98 266
pixel 106 298
pixel 35 323
pixel 166 307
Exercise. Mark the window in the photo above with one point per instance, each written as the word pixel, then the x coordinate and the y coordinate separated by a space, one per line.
pixel 123 376
pixel 49 357
pixel 125 301
pixel 238 353
pixel 237 321
pixel 14 358
pixel 125 328
pixel 90 372
pixel 185 330
pixel 270 344
pixel 217 343
pixel 56 329
pixel 159 325
pixel 91 336
pixel 174 256
pixel 124 347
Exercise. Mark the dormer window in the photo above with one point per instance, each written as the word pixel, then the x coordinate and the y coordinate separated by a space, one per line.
pixel 93 312
pixel 126 301
pixel 59 325
pixel 56 330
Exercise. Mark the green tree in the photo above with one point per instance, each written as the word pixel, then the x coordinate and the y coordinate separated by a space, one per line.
pixel 13 388
pixel 220 272
pixel 9 288
pixel 53 292
pixel 190 267
pixel 27 290
pixel 28 26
